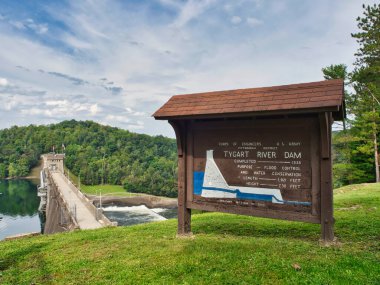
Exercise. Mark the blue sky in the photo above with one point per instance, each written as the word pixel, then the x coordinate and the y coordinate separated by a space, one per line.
pixel 116 62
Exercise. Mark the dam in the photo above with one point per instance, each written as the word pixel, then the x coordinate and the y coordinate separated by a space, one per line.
pixel 65 206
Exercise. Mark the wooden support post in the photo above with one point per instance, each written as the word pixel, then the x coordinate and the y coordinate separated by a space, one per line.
pixel 184 214
pixel 327 219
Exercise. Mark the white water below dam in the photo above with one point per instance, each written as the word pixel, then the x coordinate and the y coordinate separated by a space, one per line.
pixel 127 216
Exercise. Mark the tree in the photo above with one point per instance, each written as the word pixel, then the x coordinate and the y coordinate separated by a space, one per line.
pixel 3 171
pixel 12 170
pixel 366 80
pixel 344 171
pixel 339 71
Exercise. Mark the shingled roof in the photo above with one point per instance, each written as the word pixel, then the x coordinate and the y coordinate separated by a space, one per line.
pixel 296 98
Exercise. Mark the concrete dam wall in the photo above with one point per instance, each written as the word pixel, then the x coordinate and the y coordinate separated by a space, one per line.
pixel 59 217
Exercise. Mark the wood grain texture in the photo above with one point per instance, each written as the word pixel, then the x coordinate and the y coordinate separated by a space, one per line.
pixel 184 213
pixel 327 219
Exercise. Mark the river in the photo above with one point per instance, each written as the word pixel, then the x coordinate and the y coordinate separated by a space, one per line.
pixel 18 207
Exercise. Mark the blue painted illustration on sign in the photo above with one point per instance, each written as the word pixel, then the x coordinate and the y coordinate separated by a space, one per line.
pixel 211 184
pixel 198 182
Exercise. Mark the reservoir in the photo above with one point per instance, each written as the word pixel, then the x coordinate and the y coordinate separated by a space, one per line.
pixel 18 207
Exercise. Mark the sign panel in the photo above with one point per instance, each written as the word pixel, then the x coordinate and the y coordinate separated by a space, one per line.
pixel 254 166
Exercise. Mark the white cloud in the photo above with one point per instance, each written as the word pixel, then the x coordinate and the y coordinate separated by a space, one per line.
pixel 38 28
pixel 42 29
pixel 37 111
pixel 138 126
pixel 117 118
pixel 171 3
pixel 94 109
pixel 31 24
pixel 3 81
pixel 139 114
pixel 228 7
pixel 9 105
pixel 253 21
pixel 190 10
pixel 132 112
pixel 76 43
pixel 18 25
pixel 59 103
pixel 236 20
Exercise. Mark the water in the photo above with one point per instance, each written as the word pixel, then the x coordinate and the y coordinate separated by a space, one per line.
pixel 127 216
pixel 18 207
pixel 19 210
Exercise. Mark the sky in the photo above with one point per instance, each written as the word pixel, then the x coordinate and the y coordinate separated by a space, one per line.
pixel 116 62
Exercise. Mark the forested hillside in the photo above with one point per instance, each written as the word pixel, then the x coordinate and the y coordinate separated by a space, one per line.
pixel 96 153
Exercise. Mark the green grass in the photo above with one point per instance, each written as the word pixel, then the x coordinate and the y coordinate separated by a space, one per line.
pixel 106 190
pixel 226 249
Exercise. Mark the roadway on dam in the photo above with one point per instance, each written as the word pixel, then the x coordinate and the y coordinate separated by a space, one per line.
pixel 85 218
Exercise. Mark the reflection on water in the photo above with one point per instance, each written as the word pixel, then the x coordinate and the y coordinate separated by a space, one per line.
pixel 127 216
pixel 18 207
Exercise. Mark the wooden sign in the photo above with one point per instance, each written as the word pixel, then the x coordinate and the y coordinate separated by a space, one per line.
pixel 265 166
pixel 273 165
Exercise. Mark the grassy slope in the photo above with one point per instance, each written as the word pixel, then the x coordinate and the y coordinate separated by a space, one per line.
pixel 107 190
pixel 227 249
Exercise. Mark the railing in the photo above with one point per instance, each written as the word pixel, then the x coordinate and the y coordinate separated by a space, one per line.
pixel 71 218
pixel 97 213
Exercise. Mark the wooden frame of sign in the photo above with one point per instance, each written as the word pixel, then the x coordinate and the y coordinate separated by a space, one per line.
pixel 273 164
